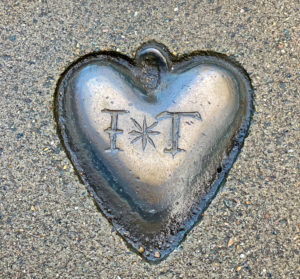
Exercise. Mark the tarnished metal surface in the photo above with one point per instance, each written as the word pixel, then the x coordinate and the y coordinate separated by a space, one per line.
pixel 153 137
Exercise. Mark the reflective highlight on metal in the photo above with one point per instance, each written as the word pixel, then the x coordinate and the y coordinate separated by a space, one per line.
pixel 153 137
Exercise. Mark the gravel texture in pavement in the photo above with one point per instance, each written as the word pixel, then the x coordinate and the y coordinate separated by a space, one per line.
pixel 50 226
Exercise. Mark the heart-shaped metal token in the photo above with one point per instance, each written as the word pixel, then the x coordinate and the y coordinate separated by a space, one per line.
pixel 153 137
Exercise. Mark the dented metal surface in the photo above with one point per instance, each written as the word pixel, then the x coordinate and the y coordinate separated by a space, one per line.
pixel 153 137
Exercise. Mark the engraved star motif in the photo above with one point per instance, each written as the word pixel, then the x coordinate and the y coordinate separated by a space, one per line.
pixel 144 132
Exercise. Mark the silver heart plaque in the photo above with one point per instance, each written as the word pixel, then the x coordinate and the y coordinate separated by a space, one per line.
pixel 153 137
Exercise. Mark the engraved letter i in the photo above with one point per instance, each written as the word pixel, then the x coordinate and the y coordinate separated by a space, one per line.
pixel 113 130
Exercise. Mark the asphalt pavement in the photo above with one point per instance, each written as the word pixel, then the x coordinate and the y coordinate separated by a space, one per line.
pixel 50 226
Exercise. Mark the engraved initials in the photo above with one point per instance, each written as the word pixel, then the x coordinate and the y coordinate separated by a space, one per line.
pixel 113 130
pixel 175 128
pixel 144 132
